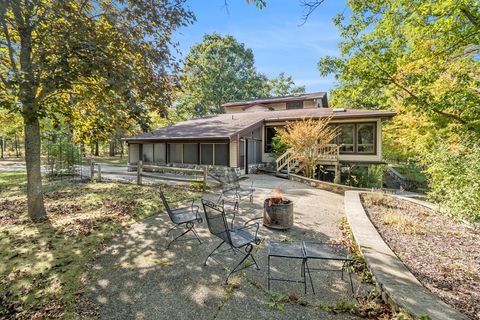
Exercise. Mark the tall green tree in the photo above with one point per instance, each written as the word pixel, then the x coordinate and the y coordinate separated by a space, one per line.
pixel 48 48
pixel 420 58
pixel 283 85
pixel 218 70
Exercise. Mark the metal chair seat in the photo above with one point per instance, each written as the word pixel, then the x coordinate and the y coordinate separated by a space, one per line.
pixel 241 237
pixel 183 216
pixel 236 238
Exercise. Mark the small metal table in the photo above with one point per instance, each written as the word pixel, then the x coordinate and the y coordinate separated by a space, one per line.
pixel 288 250
pixel 328 251
pixel 308 250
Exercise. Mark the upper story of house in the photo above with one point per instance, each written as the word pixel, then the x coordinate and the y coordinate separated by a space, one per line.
pixel 298 101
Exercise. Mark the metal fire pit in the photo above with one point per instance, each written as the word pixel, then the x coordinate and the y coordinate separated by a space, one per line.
pixel 278 215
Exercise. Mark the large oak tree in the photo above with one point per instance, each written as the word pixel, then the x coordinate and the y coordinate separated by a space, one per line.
pixel 52 51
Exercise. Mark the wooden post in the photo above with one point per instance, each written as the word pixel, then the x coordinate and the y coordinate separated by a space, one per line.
pixel 139 172
pixel 92 169
pixel 99 173
pixel 337 174
pixel 205 175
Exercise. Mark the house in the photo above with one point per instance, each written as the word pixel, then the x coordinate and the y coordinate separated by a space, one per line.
pixel 242 137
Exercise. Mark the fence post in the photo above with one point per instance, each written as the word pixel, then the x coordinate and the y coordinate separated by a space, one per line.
pixel 139 172
pixel 99 177
pixel 92 169
pixel 205 174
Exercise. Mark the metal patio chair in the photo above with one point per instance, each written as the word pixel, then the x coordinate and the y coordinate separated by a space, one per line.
pixel 231 188
pixel 235 238
pixel 183 216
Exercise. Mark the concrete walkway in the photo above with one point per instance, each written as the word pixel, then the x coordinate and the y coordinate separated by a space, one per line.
pixel 135 277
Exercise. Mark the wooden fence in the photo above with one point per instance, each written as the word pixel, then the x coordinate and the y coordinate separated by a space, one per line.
pixel 96 169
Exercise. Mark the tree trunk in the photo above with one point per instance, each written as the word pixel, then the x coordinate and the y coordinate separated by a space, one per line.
pixel 121 149
pixel 16 146
pixel 96 148
pixel 1 146
pixel 30 110
pixel 36 208
pixel 111 150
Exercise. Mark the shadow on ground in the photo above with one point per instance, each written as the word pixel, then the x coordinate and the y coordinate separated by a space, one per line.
pixel 135 277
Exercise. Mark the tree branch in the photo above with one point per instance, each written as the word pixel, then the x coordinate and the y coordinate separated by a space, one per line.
pixel 11 52
pixel 309 8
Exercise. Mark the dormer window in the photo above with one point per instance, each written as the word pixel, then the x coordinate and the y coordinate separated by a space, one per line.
pixel 295 105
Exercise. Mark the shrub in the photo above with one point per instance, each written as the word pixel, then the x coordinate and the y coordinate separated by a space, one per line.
pixel 62 157
pixel 454 178
pixel 366 177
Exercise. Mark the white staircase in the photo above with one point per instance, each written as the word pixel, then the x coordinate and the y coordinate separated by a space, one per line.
pixel 287 163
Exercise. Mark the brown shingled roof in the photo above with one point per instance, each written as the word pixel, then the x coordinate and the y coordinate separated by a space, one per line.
pixel 296 97
pixel 225 126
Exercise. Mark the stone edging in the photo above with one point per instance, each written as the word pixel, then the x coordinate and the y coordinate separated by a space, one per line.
pixel 329 186
pixel 398 285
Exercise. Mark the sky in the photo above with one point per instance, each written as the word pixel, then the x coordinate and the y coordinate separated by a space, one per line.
pixel 274 34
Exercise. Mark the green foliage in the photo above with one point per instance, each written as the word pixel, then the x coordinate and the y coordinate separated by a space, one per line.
pixel 63 157
pixel 283 85
pixel 454 175
pixel 421 60
pixel 277 301
pixel 218 70
pixel 416 179
pixel 278 147
pixel 366 177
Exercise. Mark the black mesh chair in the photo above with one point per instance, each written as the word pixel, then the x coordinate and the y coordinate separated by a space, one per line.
pixel 236 238
pixel 184 216
pixel 231 188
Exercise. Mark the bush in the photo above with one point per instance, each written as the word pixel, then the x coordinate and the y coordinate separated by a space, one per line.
pixel 366 177
pixel 278 147
pixel 62 156
pixel 454 178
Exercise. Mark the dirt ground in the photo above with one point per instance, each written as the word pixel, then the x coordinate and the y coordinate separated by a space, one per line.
pixel 443 254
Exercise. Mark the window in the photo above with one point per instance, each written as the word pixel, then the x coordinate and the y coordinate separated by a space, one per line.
pixel 295 105
pixel 190 153
pixel 221 154
pixel 206 153
pixel 357 138
pixel 159 153
pixel 147 152
pixel 175 152
pixel 269 134
pixel 366 138
pixel 346 137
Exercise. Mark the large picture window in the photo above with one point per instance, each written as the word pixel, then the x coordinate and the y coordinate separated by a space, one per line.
pixel 357 138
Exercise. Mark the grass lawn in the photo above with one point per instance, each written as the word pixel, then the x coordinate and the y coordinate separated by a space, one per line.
pixel 43 266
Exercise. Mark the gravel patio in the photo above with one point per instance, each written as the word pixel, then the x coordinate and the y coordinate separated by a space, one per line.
pixel 135 277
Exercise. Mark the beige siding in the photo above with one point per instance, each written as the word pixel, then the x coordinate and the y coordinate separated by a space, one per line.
pixel 233 154
pixel 234 109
